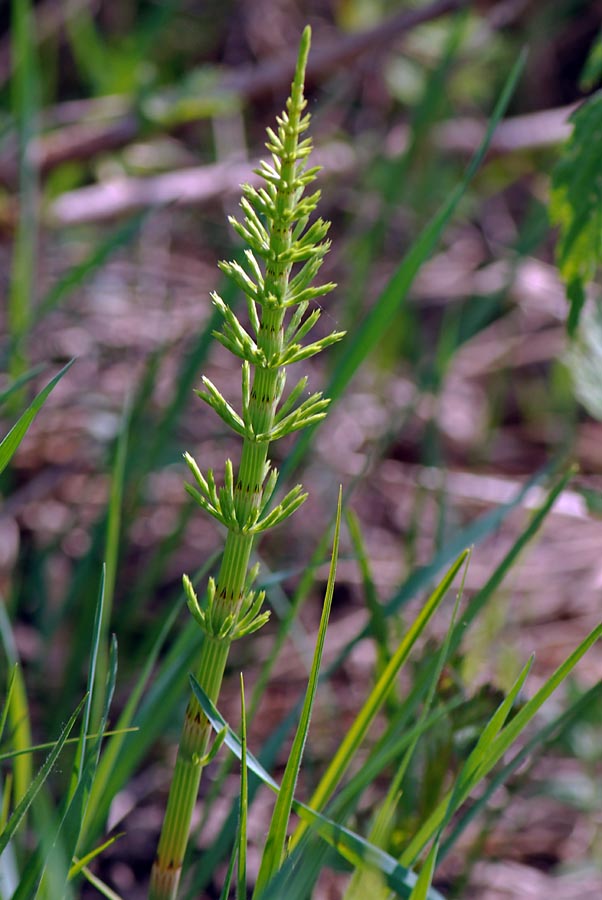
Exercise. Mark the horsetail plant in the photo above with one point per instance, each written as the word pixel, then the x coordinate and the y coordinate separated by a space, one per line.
pixel 283 257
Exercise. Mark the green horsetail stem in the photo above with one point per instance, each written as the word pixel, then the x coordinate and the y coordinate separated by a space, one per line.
pixel 284 253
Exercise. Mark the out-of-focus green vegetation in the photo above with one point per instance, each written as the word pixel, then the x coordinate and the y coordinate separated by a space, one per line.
pixel 125 130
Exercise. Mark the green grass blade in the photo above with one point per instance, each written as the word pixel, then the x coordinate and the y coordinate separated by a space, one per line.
pixel 354 737
pixel 551 731
pixel 422 577
pixel 482 597
pixel 381 828
pixel 58 862
pixel 125 750
pixel 378 622
pixel 96 636
pixel 351 846
pixel 80 864
pixel 366 337
pixel 39 779
pixel 90 50
pixel 478 756
pixel 510 733
pixel 274 846
pixel 241 883
pixel 19 383
pixel 11 441
pixel 225 892
pixel 9 693
pixel 500 744
pixel 112 546
pixel 103 889
pixel 425 878
pixel 17 711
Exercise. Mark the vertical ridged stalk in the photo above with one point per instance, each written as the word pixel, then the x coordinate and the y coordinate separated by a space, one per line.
pixel 275 228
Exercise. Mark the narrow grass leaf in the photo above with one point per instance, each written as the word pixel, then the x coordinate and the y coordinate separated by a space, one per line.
pixel 19 383
pixel 425 877
pixel 17 711
pixel 241 886
pixel 125 749
pixel 11 441
pixel 225 892
pixel 358 730
pixel 274 846
pixel 423 576
pixel 55 876
pixel 80 864
pixel 511 732
pixel 7 698
pixel 103 889
pixel 93 657
pixel 378 621
pixel 39 779
pixel 482 597
pixel 478 756
pixel 551 731
pixel 6 800
pixel 112 546
pixel 347 843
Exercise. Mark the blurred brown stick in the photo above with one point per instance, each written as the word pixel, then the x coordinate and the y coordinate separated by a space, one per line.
pixel 200 184
pixel 83 140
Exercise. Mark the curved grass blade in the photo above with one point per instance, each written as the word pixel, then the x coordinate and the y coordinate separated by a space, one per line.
pixel 488 757
pixel 274 846
pixel 103 889
pixel 112 544
pixel 241 886
pixel 124 750
pixel 482 596
pixel 552 731
pixel 80 864
pixel 473 534
pixel 81 750
pixel 55 876
pixel 11 441
pixel 39 779
pixel 380 831
pixel 356 734
pixel 347 843
pixel 17 711
pixel 18 383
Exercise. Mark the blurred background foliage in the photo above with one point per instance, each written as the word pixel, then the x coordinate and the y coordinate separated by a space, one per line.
pixel 125 131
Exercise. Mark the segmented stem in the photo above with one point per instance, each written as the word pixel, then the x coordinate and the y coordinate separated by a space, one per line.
pixel 275 219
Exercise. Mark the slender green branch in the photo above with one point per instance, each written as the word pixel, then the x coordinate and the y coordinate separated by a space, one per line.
pixel 284 255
